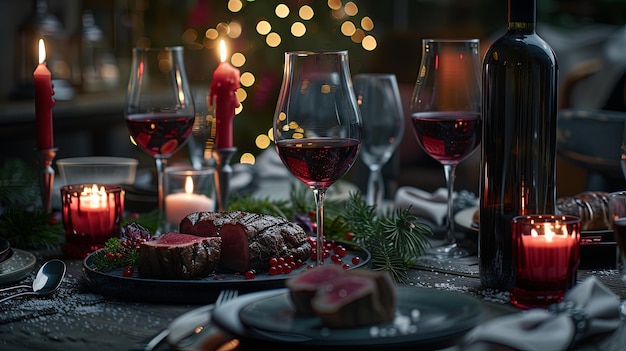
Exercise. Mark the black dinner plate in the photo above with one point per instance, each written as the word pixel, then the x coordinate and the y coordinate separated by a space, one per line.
pixel 425 319
pixel 5 249
pixel 197 291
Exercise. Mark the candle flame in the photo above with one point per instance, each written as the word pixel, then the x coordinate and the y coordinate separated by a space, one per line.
pixel 188 185
pixel 95 198
pixel 548 233
pixel 222 51
pixel 42 51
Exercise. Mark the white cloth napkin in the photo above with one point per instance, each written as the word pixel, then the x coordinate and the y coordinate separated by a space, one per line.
pixel 431 206
pixel 589 308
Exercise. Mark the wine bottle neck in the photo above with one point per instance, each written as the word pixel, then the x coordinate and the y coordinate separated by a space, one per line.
pixel 522 14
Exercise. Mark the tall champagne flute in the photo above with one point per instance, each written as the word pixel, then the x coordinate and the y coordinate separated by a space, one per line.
pixel 317 125
pixel 445 111
pixel 159 108
pixel 379 101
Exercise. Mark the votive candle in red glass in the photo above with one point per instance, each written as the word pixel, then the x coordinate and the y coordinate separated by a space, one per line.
pixel 546 255
pixel 92 214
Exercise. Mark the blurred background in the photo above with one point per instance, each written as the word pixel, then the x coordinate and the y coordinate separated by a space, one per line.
pixel 89 45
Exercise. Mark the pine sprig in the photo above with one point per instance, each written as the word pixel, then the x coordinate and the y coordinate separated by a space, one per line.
pixel 395 240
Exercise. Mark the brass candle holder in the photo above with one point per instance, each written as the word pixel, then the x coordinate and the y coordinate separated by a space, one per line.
pixel 223 172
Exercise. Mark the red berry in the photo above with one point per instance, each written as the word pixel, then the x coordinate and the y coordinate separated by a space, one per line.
pixel 128 271
pixel 273 262
pixel 346 266
pixel 336 258
pixel 349 236
pixel 356 260
pixel 273 270
pixel 249 274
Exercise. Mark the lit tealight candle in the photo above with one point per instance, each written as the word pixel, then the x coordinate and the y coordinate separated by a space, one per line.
pixel 179 205
pixel 546 258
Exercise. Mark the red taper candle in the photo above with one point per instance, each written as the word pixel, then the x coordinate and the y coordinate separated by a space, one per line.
pixel 43 101
pixel 223 97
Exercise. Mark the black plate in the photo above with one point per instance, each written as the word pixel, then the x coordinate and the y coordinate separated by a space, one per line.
pixel 5 249
pixel 198 291
pixel 425 319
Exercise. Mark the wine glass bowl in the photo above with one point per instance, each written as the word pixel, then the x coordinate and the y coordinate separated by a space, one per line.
pixel 379 102
pixel 317 125
pixel 159 108
pixel 445 114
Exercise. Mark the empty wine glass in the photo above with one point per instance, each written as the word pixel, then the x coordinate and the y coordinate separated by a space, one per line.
pixel 445 111
pixel 317 125
pixel 159 108
pixel 379 101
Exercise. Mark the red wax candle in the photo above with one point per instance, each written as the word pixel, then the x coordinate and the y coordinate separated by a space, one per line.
pixel 546 257
pixel 223 96
pixel 43 101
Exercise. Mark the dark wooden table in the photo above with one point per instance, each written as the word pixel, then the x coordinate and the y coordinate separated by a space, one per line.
pixel 75 318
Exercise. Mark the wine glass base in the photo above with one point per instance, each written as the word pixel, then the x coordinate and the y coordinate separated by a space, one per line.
pixel 448 251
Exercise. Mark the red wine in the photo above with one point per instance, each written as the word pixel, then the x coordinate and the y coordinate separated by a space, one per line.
pixel 160 134
pixel 318 162
pixel 448 137
pixel 518 157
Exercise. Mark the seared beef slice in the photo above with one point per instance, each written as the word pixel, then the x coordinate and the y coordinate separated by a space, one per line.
pixel 179 256
pixel 249 240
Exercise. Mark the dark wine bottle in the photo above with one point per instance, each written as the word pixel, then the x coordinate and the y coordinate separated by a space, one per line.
pixel 518 164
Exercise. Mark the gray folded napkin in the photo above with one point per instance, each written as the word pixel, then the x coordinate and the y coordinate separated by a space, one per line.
pixel 431 206
pixel 589 308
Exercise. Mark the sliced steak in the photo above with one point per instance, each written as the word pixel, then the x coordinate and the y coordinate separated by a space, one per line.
pixel 304 286
pixel 249 240
pixel 179 256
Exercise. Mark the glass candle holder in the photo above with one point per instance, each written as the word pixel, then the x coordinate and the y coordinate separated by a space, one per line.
pixel 92 214
pixel 546 255
pixel 187 190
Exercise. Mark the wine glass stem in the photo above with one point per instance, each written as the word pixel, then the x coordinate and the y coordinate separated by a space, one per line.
pixel 450 175
pixel 161 163
pixel 319 221
pixel 375 188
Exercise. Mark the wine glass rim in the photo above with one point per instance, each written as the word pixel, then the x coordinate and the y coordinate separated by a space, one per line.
pixel 159 48
pixel 451 40
pixel 315 52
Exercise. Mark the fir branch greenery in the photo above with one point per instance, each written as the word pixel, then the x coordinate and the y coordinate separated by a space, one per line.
pixel 394 239
pixel 22 222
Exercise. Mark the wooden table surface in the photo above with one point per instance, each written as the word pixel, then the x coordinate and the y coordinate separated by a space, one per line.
pixel 75 318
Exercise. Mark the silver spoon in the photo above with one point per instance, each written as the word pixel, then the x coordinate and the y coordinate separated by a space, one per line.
pixel 47 280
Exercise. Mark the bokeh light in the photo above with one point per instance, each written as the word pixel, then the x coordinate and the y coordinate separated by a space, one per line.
pixel 263 27
pixel 235 29
pixel 235 5
pixel 367 23
pixel 247 79
pixel 211 33
pixel 306 12
pixel 247 158
pixel 273 39
pixel 369 43
pixel 262 141
pixel 334 4
pixel 298 29
pixel 348 28
pixel 281 10
pixel 351 9
pixel 238 59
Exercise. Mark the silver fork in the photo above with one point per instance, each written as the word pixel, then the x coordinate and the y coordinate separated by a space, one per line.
pixel 155 341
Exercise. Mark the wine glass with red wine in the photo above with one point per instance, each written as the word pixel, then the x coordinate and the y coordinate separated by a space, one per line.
pixel 445 114
pixel 317 125
pixel 159 108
